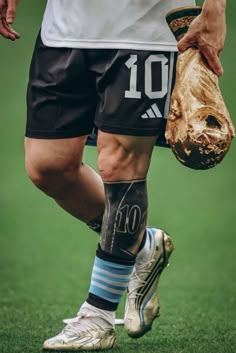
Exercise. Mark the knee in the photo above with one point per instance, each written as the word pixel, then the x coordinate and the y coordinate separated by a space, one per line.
pixel 51 175
pixel 116 162
pixel 112 159
pixel 111 165
pixel 123 157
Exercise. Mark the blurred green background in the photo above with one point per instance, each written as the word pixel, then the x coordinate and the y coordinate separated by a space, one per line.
pixel 46 255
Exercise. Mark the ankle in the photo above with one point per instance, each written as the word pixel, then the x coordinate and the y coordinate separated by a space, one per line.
pixel 108 316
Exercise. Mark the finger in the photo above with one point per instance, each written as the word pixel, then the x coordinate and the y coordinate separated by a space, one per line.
pixel 213 61
pixel 8 32
pixel 11 11
pixel 16 34
pixel 11 30
pixel 3 30
pixel 185 43
pixel 2 9
pixel 2 5
pixel 5 33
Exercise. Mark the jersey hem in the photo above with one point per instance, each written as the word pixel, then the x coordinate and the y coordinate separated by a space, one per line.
pixel 107 44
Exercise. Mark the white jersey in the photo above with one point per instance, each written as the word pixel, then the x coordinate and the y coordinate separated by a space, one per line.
pixel 122 24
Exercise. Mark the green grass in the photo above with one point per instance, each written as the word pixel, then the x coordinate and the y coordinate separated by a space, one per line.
pixel 46 255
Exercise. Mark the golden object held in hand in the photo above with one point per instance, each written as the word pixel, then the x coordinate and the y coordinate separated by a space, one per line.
pixel 199 129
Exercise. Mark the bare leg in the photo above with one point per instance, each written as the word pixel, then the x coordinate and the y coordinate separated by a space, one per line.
pixel 124 157
pixel 124 160
pixel 56 167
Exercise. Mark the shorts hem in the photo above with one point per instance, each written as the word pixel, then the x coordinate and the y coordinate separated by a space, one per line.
pixel 129 131
pixel 55 135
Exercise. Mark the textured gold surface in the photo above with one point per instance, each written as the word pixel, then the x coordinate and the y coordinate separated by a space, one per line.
pixel 181 22
pixel 179 19
pixel 199 128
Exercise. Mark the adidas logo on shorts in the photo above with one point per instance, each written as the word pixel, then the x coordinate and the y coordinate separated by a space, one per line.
pixel 152 113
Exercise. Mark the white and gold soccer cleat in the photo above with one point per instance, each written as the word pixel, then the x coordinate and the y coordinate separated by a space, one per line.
pixel 118 322
pixel 85 333
pixel 142 304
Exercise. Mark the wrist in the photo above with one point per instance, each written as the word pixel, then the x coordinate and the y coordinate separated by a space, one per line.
pixel 213 10
pixel 213 6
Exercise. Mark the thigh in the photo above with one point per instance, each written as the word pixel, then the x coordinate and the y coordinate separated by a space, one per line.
pixel 53 155
pixel 61 95
pixel 134 91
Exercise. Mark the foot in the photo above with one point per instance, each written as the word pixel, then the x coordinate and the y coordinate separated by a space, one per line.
pixel 88 332
pixel 142 304
pixel 74 319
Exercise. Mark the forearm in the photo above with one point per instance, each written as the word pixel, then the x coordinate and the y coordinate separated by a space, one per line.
pixel 213 14
pixel 210 6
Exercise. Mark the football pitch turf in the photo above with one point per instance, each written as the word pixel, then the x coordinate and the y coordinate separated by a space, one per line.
pixel 46 256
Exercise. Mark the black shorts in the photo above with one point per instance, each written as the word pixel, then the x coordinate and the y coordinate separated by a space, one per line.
pixel 71 91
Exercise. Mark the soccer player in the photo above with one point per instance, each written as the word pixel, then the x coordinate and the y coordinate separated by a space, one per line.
pixel 111 65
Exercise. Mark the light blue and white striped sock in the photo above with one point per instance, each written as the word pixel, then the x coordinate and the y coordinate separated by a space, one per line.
pixel 109 280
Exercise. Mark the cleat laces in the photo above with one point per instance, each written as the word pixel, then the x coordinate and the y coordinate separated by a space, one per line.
pixel 138 281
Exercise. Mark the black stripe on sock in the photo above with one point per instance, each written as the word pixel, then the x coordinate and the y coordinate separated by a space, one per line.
pixel 101 303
